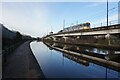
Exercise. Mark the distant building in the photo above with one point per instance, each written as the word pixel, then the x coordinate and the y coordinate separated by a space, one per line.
pixel 119 12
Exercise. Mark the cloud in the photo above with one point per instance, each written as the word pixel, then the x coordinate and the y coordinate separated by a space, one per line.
pixel 27 20
pixel 92 5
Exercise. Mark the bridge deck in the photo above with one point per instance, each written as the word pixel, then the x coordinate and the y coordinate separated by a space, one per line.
pixel 114 29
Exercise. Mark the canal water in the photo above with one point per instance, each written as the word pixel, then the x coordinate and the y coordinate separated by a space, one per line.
pixel 55 64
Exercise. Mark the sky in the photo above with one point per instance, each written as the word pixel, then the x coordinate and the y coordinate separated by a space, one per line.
pixel 39 18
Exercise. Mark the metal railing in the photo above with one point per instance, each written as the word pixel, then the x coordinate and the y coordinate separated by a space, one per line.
pixel 113 22
pixel 97 25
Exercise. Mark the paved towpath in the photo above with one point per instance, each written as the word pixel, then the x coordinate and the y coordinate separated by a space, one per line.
pixel 22 64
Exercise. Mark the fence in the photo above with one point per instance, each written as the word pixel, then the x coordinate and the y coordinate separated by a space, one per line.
pixel 113 22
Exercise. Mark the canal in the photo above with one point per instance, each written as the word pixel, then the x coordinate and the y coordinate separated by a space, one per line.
pixel 55 64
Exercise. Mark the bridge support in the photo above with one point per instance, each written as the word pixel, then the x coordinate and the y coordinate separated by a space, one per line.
pixel 51 39
pixel 54 38
pixel 65 47
pixel 78 37
pixel 108 38
pixel 65 38
pixel 54 45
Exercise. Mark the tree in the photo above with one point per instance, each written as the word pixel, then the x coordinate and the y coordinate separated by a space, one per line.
pixel 18 37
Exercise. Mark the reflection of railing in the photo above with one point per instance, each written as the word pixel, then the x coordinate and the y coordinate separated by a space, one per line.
pixel 79 60
pixel 91 51
pixel 80 50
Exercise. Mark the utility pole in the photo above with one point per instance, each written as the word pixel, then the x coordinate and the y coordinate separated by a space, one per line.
pixel 107 14
pixel 107 35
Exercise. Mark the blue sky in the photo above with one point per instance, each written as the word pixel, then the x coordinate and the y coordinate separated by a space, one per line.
pixel 36 18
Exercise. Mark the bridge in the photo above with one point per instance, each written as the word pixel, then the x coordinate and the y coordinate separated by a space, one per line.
pixel 105 36
pixel 113 29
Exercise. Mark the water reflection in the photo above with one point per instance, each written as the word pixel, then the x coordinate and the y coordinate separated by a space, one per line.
pixel 56 64
pixel 97 52
pixel 79 60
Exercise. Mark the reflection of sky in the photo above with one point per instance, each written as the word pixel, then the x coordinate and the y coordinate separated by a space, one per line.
pixel 54 64
pixel 36 18
pixel 100 51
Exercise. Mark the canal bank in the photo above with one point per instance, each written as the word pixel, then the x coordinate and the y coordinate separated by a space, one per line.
pixel 22 64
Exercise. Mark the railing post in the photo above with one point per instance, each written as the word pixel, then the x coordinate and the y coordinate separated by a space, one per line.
pixel 94 26
pixel 110 23
pixel 101 24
